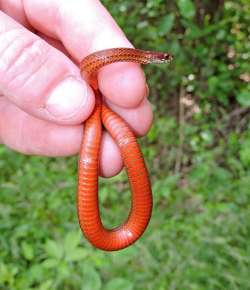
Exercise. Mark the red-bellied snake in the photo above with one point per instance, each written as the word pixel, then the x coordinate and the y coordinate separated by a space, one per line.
pixel 88 165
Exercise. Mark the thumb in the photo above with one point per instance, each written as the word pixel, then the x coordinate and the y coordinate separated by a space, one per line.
pixel 40 79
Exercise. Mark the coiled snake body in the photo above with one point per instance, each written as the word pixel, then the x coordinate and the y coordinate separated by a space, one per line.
pixel 88 165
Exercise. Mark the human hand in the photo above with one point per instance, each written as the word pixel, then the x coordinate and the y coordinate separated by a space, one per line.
pixel 43 100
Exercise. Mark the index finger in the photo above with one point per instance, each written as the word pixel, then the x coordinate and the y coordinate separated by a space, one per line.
pixel 84 27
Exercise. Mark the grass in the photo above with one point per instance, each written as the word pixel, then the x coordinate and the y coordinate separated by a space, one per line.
pixel 199 160
pixel 198 237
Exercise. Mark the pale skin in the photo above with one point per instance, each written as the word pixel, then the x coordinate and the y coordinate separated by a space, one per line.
pixel 43 99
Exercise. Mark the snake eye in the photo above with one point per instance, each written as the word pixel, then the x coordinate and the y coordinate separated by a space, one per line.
pixel 168 57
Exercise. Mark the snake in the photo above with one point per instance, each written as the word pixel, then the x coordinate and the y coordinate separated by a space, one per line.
pixel 103 117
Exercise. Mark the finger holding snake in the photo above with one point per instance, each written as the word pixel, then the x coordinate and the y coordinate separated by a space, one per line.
pixel 58 39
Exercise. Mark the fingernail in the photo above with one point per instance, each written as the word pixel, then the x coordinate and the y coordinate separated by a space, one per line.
pixel 67 98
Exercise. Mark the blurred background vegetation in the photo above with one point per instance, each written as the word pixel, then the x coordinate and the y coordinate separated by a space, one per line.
pixel 198 153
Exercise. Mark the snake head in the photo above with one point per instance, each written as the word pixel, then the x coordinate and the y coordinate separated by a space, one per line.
pixel 161 57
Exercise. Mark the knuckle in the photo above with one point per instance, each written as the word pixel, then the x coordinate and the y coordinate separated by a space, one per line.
pixel 22 54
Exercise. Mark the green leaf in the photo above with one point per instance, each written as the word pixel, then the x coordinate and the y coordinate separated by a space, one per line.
pixel 164 187
pixel 64 270
pixel 119 283
pixel 245 153
pixel 153 134
pixel 50 263
pixel 187 8
pixel 71 240
pixel 28 251
pixel 76 254
pixel 193 31
pixel 36 272
pixel 91 279
pixel 221 34
pixel 166 24
pixel 46 285
pixel 213 84
pixel 54 249
pixel 244 97
pixel 207 137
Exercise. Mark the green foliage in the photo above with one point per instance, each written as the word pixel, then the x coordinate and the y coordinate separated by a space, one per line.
pixel 119 283
pixel 198 152
pixel 187 8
